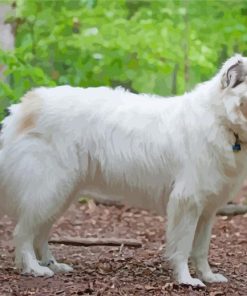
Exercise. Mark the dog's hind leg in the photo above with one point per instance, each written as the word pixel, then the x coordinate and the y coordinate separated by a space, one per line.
pixel 201 247
pixel 32 230
pixel 37 214
pixel 39 186
pixel 183 215
pixel 44 253
pixel 25 257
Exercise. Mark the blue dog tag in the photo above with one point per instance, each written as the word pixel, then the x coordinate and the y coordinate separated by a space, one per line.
pixel 236 147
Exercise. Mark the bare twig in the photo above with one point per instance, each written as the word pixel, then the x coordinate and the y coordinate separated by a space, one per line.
pixel 121 249
pixel 232 210
pixel 107 202
pixel 229 210
pixel 96 242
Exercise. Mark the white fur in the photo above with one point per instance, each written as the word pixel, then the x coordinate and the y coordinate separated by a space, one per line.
pixel 164 154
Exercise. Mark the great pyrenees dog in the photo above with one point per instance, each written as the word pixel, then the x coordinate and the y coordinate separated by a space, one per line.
pixel 183 156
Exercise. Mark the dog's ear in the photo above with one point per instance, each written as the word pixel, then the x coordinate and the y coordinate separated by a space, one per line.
pixel 233 72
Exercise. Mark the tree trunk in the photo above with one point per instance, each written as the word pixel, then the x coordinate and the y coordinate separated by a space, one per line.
pixel 7 40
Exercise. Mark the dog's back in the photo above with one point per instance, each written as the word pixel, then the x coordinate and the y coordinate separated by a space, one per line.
pixel 112 140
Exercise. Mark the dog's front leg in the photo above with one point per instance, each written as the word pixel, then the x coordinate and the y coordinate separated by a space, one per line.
pixel 201 247
pixel 183 215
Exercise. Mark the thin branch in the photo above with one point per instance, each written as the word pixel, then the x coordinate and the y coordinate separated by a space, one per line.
pixel 228 210
pixel 97 242
pixel 232 210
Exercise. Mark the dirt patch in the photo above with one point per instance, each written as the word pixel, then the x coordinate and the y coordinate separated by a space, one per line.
pixel 101 270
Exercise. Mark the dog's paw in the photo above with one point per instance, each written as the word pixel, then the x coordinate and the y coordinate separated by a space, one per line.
pixel 38 271
pixel 192 282
pixel 60 267
pixel 214 278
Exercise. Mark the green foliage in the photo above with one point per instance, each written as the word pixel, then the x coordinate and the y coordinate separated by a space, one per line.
pixel 162 47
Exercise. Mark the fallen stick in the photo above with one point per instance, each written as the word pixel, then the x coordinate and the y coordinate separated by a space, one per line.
pixel 108 203
pixel 228 210
pixel 232 210
pixel 96 242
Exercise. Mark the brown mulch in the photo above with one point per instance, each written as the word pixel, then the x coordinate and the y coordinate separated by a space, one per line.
pixel 107 270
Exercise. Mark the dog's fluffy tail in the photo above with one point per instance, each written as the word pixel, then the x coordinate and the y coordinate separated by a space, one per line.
pixel 8 125
pixel 1 191
pixel 7 128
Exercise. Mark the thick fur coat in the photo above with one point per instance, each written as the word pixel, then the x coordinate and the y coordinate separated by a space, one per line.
pixel 173 155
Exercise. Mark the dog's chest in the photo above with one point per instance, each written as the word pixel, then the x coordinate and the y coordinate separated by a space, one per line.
pixel 235 163
pixel 235 171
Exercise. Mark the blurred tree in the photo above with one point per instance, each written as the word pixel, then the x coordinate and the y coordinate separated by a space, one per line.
pixel 6 43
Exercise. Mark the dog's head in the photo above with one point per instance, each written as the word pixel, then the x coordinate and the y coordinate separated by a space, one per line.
pixel 233 81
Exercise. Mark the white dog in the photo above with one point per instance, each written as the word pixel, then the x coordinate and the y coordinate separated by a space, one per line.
pixel 185 156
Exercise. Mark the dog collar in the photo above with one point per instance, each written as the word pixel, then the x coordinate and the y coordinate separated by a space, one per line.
pixel 237 145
